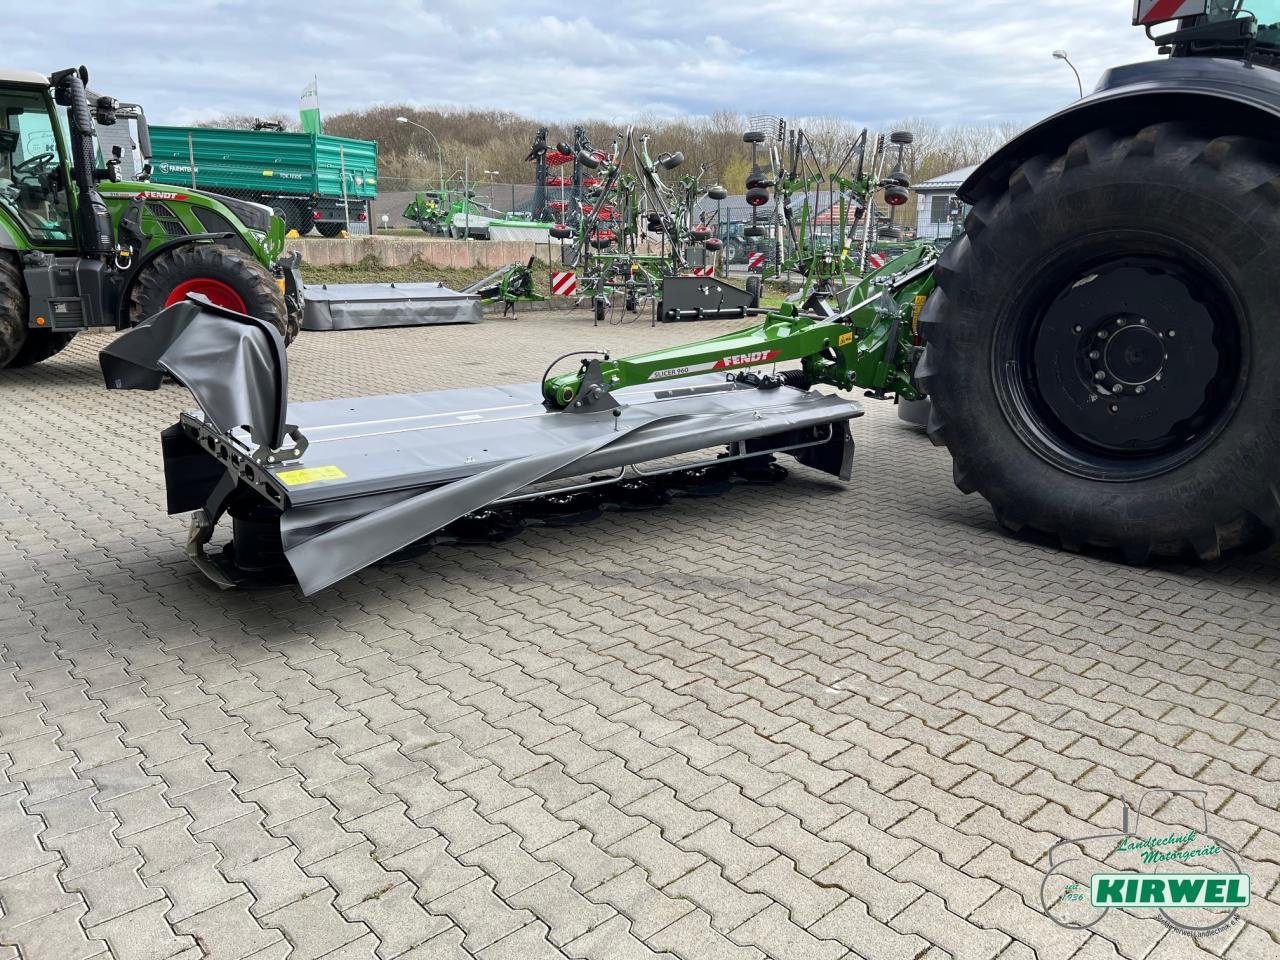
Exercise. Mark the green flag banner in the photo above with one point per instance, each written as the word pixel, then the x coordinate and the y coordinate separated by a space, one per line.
pixel 309 108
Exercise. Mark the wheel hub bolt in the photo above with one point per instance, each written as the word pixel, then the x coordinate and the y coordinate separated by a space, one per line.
pixel 1118 388
pixel 1173 333
pixel 1102 334
pixel 1094 355
pixel 1140 390
pixel 1100 376
pixel 1114 408
pixel 1077 328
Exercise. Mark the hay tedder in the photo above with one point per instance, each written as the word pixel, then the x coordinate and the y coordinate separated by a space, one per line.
pixel 633 238
pixel 1097 346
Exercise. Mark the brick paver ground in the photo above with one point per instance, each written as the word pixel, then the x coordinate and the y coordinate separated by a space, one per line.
pixel 808 721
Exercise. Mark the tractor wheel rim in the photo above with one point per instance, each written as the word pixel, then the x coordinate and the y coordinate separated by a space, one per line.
pixel 217 292
pixel 1123 369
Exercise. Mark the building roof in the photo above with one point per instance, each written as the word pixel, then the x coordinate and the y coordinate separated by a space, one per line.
pixel 948 181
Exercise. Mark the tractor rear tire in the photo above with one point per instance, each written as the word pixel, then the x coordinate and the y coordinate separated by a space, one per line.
pixel 20 345
pixel 1103 358
pixel 249 284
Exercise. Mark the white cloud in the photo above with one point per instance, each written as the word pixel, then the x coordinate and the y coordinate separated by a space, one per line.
pixel 874 60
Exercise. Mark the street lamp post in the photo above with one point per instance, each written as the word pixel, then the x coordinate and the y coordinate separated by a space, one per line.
pixel 1062 55
pixel 439 152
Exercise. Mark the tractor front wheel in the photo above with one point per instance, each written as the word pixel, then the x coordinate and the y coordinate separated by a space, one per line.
pixel 227 277
pixel 21 345
pixel 1103 359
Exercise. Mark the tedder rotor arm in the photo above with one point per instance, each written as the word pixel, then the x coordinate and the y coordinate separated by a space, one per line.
pixel 872 344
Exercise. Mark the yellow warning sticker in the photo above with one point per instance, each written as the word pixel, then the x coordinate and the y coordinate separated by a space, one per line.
pixel 296 478
pixel 844 340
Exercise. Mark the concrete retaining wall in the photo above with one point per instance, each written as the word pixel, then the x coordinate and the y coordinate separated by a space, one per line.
pixel 401 251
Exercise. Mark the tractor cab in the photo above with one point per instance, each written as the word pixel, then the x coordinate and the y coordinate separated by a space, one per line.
pixel 32 172
pixel 1213 28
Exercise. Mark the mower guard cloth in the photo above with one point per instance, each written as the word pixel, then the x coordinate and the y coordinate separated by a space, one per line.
pixel 233 364
pixel 366 306
pixel 328 557
pixel 450 453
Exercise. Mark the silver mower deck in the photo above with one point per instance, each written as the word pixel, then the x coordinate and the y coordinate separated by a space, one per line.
pixel 365 306
pixel 330 487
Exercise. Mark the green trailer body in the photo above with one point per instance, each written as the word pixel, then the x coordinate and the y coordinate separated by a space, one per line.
pixel 308 178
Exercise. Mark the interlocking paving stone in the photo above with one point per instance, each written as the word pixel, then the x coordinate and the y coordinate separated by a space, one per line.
pixel 810 720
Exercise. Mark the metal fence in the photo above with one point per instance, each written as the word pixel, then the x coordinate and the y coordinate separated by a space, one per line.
pixel 396 196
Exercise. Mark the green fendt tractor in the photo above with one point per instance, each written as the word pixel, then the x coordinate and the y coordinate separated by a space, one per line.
pixel 80 247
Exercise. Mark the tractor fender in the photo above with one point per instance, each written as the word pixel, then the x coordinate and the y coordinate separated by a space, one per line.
pixel 146 259
pixel 1238 98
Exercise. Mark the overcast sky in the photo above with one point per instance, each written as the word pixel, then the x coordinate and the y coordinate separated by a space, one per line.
pixel 866 60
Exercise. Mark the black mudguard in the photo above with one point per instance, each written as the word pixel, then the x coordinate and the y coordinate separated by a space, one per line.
pixel 1235 96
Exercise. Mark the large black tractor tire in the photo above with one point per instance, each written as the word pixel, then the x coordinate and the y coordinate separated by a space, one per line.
pixel 1103 358
pixel 228 276
pixel 20 345
pixel 330 230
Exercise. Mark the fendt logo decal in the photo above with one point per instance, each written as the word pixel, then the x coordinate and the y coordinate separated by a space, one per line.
pixel 745 359
pixel 724 363
pixel 160 195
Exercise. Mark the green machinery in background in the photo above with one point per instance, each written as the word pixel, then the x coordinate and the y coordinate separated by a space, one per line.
pixel 80 246
pixel 791 182
pixel 438 213
pixel 613 230
pixel 309 180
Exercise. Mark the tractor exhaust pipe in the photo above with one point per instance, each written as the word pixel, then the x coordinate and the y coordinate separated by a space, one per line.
pixel 95 222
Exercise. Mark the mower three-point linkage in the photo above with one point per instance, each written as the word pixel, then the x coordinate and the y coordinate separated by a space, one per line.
pixel 873 344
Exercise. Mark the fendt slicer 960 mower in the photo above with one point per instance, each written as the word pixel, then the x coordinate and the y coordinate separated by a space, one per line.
pixel 1099 348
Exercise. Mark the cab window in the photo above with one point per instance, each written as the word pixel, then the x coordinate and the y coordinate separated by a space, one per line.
pixel 1267 13
pixel 32 191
